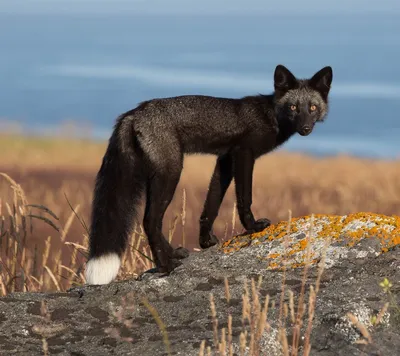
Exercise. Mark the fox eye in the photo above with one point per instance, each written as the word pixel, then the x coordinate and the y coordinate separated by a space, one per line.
pixel 313 107
pixel 293 107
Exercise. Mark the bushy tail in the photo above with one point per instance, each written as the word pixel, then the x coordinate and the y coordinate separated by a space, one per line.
pixel 118 189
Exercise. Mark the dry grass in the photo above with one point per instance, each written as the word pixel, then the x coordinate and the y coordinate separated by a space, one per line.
pixel 40 153
pixel 38 256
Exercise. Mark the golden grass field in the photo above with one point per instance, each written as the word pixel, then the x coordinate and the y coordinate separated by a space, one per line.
pixel 47 171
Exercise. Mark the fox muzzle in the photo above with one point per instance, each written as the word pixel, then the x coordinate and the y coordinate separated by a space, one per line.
pixel 305 130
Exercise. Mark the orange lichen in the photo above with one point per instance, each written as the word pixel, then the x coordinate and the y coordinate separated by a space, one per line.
pixel 339 228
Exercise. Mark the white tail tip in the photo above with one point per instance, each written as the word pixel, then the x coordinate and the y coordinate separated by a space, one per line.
pixel 103 269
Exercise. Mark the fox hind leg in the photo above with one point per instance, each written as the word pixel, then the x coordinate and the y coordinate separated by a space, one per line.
pixel 161 188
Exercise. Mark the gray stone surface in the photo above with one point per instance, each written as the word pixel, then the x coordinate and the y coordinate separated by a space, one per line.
pixel 78 319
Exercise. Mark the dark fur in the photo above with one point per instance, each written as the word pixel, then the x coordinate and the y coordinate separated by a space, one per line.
pixel 146 151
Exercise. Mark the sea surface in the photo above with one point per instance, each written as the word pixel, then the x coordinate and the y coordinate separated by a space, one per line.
pixel 90 67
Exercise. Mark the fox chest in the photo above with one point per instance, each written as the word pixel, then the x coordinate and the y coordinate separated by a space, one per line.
pixel 261 142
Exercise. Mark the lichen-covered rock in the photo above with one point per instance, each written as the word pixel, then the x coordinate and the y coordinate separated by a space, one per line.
pixel 154 314
pixel 289 241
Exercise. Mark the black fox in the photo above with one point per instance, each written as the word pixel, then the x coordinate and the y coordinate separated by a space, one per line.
pixel 146 150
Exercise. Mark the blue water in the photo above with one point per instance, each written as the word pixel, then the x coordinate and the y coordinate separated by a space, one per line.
pixel 90 67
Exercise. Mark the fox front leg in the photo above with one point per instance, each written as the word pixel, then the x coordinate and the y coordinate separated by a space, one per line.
pixel 243 166
pixel 220 181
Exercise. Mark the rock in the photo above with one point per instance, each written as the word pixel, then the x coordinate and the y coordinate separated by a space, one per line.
pixel 144 316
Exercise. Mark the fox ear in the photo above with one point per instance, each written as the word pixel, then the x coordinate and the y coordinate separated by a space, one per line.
pixel 322 80
pixel 283 79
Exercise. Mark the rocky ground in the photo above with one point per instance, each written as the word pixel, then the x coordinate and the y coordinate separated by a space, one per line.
pixel 161 315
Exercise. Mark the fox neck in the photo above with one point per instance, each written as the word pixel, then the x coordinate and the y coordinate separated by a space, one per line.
pixel 285 126
pixel 286 129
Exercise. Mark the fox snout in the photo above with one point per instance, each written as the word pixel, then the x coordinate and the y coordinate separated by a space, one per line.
pixel 304 124
pixel 303 121
pixel 305 130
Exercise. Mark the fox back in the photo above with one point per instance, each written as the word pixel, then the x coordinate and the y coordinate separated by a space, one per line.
pixel 204 124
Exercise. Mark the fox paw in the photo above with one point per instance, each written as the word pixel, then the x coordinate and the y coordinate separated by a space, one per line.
pixel 261 224
pixel 208 241
pixel 180 253
pixel 258 226
pixel 168 267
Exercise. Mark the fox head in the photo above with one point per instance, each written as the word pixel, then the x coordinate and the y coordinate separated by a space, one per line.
pixel 301 102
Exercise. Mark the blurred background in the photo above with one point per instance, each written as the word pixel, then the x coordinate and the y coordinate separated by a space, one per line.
pixel 86 60
pixel 69 68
